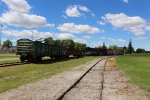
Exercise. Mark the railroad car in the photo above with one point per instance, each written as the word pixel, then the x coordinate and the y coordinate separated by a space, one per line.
pixel 95 51
pixel 34 50
pixel 91 51
pixel 110 52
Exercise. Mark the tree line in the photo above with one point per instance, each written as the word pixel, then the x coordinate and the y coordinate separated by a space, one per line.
pixel 127 50
pixel 69 43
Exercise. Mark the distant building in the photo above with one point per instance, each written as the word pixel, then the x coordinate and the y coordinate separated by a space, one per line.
pixel 12 49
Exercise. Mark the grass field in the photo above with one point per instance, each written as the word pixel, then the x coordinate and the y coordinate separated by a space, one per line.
pixel 5 56
pixel 8 58
pixel 14 76
pixel 137 67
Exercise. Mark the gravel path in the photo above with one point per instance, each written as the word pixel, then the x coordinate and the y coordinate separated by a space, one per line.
pixel 47 89
pixel 117 86
pixel 90 86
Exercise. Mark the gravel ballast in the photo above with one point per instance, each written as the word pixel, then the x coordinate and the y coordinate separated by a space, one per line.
pixel 47 89
pixel 89 87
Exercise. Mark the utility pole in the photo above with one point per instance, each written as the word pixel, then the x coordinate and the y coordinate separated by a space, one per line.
pixel 1 27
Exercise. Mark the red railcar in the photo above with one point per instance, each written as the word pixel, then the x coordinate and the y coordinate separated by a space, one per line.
pixel 74 53
pixel 110 52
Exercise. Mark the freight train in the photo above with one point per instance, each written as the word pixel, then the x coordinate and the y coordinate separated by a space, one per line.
pixel 103 52
pixel 33 51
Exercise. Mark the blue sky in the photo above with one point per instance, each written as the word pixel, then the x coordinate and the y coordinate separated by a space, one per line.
pixel 88 21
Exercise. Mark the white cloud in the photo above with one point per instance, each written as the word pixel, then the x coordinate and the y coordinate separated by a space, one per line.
pixel 95 43
pixel 75 11
pixel 100 43
pixel 20 6
pixel 70 36
pixel 147 28
pixel 83 8
pixel 87 37
pixel 140 38
pixel 101 23
pixel 72 11
pixel 116 40
pixel 65 36
pixel 121 40
pixel 12 40
pixel 27 34
pixel 135 24
pixel 19 15
pixel 16 34
pixel 74 28
pixel 125 1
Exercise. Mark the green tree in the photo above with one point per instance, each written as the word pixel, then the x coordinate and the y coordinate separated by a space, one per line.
pixel 7 43
pixel 57 42
pixel 114 47
pixel 49 40
pixel 125 49
pixel 130 47
pixel 79 46
pixel 140 50
pixel 103 46
pixel 68 43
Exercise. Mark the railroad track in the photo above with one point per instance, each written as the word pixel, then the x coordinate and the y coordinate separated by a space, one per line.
pixel 79 82
pixel 12 64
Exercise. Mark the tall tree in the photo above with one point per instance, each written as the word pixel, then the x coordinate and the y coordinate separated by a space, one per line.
pixel 57 42
pixel 68 43
pixel 114 47
pixel 104 46
pixel 7 43
pixel 125 49
pixel 130 47
pixel 80 46
pixel 49 40
pixel 140 50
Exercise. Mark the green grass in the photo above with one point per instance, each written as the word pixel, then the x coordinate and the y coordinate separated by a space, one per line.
pixel 8 58
pixel 5 56
pixel 137 67
pixel 9 61
pixel 12 77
